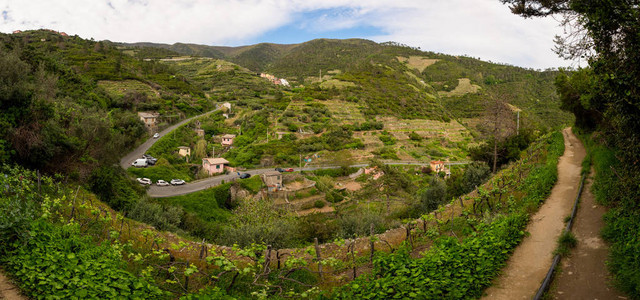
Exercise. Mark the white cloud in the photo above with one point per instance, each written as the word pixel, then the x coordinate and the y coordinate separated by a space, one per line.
pixel 478 28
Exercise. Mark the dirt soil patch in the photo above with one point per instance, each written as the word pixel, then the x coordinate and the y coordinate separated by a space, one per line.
pixel 531 260
pixel 584 274
pixel 418 62
pixel 352 186
pixel 464 87
pixel 8 290
pixel 326 209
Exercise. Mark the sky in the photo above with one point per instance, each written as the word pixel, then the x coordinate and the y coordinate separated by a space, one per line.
pixel 484 29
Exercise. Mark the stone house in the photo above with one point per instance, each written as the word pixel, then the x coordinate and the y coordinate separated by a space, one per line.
pixel 149 119
pixel 184 151
pixel 273 181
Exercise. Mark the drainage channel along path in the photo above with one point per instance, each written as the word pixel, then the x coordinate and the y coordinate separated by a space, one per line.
pixel 531 260
pixel 583 274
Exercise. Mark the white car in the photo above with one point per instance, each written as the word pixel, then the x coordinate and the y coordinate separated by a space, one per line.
pixel 156 135
pixel 146 181
pixel 162 183
pixel 177 182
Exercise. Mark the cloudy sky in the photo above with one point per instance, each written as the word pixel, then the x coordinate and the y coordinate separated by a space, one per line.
pixel 477 28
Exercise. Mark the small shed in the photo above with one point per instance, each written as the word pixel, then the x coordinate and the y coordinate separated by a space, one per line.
pixel 227 139
pixel 273 180
pixel 199 132
pixel 214 165
pixel 184 151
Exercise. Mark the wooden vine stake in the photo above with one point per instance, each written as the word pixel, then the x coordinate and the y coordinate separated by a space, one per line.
pixel 267 260
pixel 408 228
pixel 373 243
pixel 278 258
pixel 351 248
pixel 203 250
pixel 318 257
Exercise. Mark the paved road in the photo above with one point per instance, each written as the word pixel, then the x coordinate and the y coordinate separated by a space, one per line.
pixel 126 161
pixel 198 185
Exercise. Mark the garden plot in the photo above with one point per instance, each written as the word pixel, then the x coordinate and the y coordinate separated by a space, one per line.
pixel 335 83
pixel 400 128
pixel 120 88
pixel 371 142
pixel 344 112
pixel 418 62
pixel 464 87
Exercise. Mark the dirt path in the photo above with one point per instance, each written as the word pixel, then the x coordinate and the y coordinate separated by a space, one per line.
pixel 584 275
pixel 8 290
pixel 530 262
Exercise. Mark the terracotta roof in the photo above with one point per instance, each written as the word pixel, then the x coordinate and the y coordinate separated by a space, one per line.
pixel 216 161
pixel 437 162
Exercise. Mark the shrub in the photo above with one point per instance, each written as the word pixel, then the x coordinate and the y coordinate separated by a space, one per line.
pixel 319 204
pixel 113 187
pixel 57 262
pixel 566 242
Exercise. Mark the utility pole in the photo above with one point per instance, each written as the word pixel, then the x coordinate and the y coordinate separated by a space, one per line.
pixel 301 162
pixel 518 124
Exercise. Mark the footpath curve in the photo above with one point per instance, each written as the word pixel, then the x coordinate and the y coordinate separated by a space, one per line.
pixel 530 261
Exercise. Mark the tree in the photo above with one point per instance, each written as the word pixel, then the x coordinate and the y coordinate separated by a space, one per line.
pixel 474 175
pixel 432 196
pixel 200 150
pixel 499 123
pixel 391 183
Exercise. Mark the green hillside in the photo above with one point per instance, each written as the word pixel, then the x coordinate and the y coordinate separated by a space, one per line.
pixel 392 79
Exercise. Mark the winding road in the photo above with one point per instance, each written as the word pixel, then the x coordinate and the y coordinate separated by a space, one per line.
pixel 198 185
pixel 126 161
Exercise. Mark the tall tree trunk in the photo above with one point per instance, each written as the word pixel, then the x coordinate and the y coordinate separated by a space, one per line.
pixel 495 153
pixel 388 205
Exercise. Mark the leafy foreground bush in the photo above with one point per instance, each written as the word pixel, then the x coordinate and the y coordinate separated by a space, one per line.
pixel 449 270
pixel 57 262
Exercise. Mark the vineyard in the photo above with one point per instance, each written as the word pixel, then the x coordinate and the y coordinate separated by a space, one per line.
pixel 54 229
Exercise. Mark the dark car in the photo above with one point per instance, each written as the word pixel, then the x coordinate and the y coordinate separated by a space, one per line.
pixel 245 175
pixel 150 159
pixel 280 170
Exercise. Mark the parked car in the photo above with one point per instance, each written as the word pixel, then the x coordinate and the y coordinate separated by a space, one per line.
pixel 177 182
pixel 245 175
pixel 150 159
pixel 156 135
pixel 162 183
pixel 289 170
pixel 280 170
pixel 140 163
pixel 146 181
